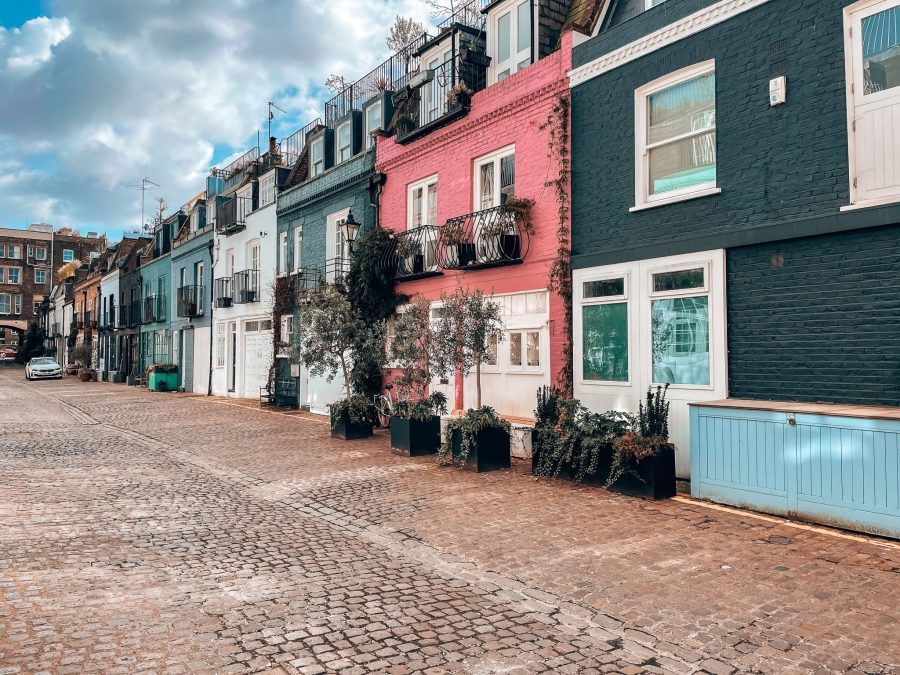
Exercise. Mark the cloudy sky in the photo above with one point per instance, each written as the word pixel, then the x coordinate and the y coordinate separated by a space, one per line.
pixel 96 94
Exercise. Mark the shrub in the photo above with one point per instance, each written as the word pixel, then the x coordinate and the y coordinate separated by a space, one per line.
pixel 469 425
pixel 359 410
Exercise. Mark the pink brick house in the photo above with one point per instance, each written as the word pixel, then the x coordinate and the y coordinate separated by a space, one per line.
pixel 451 163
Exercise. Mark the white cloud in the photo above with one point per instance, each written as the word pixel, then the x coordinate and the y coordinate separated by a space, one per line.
pixel 26 48
pixel 107 92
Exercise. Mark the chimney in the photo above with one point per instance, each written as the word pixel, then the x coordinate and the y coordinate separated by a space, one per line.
pixel 273 146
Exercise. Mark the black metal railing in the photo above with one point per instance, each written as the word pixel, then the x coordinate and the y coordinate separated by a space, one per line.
pixel 467 14
pixel 391 75
pixel 293 146
pixel 223 288
pixel 413 253
pixel 488 238
pixel 189 301
pixel 433 101
pixel 109 316
pixel 246 287
pixel 135 313
pixel 234 172
pixel 231 216
pixel 151 306
pixel 335 270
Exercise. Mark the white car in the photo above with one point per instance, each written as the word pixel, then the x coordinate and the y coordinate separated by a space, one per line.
pixel 43 368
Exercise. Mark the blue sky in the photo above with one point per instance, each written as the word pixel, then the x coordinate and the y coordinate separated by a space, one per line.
pixel 96 94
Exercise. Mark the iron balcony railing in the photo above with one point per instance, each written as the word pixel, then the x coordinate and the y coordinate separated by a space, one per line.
pixel 189 301
pixel 231 216
pixel 223 288
pixel 151 307
pixel 488 238
pixel 335 270
pixel 135 313
pixel 391 75
pixel 413 253
pixel 467 14
pixel 246 287
pixel 433 101
pixel 293 146
pixel 233 174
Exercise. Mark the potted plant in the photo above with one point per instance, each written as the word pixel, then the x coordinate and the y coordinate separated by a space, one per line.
pixel 162 377
pixel 462 336
pixel 411 251
pixel 514 212
pixel 478 441
pixel 460 95
pixel 416 426
pixel 329 331
pixel 459 246
pixel 81 357
pixel 569 441
pixel 643 464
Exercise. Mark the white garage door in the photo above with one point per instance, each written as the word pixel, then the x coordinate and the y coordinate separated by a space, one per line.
pixel 257 349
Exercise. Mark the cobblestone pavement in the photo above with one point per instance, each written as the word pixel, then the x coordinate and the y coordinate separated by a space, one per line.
pixel 146 532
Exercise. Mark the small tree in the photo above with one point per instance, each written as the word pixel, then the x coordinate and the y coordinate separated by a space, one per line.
pixel 463 332
pixel 403 32
pixel 31 344
pixel 413 348
pixel 336 83
pixel 82 355
pixel 329 331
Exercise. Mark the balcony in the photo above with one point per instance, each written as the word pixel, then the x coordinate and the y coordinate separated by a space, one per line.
pixel 335 270
pixel 434 103
pixel 90 321
pixel 489 238
pixel 121 316
pixel 223 288
pixel 135 312
pixel 109 318
pixel 246 287
pixel 234 174
pixel 413 254
pixel 189 303
pixel 151 309
pixel 231 216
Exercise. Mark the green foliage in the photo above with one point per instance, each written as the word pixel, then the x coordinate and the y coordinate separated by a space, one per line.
pixel 358 409
pixel 571 438
pixel 413 349
pixel 166 368
pixel 82 355
pixel 520 207
pixel 653 417
pixel 30 345
pixel 423 409
pixel 73 335
pixel 284 294
pixel 469 425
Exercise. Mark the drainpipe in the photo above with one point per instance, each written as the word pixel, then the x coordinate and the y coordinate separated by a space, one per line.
pixel 212 271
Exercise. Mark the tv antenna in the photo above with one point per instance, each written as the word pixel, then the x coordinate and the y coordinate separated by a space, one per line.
pixel 272 117
pixel 146 184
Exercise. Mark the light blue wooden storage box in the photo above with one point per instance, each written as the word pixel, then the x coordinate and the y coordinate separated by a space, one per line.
pixel 836 465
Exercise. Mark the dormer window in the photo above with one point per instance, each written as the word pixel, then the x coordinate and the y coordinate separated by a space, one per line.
pixel 317 157
pixel 343 143
pixel 373 123
pixel 509 38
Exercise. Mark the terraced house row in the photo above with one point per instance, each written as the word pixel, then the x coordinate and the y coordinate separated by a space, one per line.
pixel 710 199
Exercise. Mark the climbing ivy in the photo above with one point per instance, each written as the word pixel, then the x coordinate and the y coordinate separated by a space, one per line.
pixel 284 296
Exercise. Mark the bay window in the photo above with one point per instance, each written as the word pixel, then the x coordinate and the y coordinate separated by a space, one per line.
pixel 676 136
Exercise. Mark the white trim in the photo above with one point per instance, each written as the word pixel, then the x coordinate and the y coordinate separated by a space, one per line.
pixel 676 197
pixel 337 143
pixel 369 138
pixel 422 183
pixel 490 158
pixel 681 29
pixel 515 56
pixel 872 203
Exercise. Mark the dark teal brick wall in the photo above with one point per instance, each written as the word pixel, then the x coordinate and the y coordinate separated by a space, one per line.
pixel 816 319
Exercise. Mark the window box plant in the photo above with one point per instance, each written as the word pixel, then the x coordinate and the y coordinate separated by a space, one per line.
pixel 162 377
pixel 411 251
pixel 460 95
pixel 478 441
pixel 458 244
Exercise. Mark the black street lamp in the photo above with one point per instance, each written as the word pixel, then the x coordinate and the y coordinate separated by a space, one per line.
pixel 350 228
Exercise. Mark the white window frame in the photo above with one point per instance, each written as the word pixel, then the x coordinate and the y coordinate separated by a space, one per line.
pixel 339 149
pixel 14 252
pixel 41 283
pixel 220 345
pixel 298 248
pixel 287 329
pixel 199 269
pixel 18 271
pixel 68 255
pixel 370 138
pixel 8 302
pixel 580 302
pixel 2 275
pixel 267 191
pixel 334 234
pixel 316 144
pixel 2 250
pixel 422 184
pixel 642 196
pixel 650 4
pixel 40 253
pixel 495 159
pixel 523 347
pixel 282 254
pixel 17 304
pixel 517 57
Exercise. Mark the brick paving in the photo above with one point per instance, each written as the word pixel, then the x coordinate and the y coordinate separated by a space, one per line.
pixel 146 532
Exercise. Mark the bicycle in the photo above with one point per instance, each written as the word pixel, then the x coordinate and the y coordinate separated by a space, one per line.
pixel 386 404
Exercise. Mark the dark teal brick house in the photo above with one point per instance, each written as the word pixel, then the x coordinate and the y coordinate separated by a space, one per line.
pixel 736 235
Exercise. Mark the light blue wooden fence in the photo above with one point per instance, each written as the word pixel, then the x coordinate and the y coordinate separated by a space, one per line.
pixel 835 470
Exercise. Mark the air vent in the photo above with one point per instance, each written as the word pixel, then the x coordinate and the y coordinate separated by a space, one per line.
pixel 777 47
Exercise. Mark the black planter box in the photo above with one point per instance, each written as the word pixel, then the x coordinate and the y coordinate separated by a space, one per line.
pixel 490 452
pixel 418 263
pixel 342 427
pixel 415 438
pixel 118 378
pixel 509 246
pixel 657 474
pixel 565 473
pixel 465 254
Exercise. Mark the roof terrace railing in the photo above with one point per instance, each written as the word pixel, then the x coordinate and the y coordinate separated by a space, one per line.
pixel 389 76
pixel 292 146
pixel 238 165
pixel 468 14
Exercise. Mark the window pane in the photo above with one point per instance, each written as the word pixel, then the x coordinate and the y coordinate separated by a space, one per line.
pixel 604 288
pixel 417 207
pixel 507 178
pixel 681 341
pixel 504 37
pixel 533 348
pixel 490 358
pixel 487 185
pixel 523 40
pixel 605 342
pixel 432 205
pixel 677 281
pixel 881 50
pixel 515 349
pixel 683 108
pixel 683 164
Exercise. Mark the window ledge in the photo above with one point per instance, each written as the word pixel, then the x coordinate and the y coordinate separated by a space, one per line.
pixel 872 203
pixel 677 198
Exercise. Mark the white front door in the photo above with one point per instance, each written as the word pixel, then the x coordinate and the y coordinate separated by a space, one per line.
pixel 648 323
pixel 873 77
pixel 257 352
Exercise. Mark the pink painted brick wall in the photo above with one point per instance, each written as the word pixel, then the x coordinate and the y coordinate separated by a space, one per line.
pixel 507 113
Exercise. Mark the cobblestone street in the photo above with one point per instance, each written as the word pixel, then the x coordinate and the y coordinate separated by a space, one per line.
pixel 165 533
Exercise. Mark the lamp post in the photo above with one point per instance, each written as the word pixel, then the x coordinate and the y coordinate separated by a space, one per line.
pixel 350 228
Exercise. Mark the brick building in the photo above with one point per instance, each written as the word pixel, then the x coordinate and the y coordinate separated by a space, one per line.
pixel 28 260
